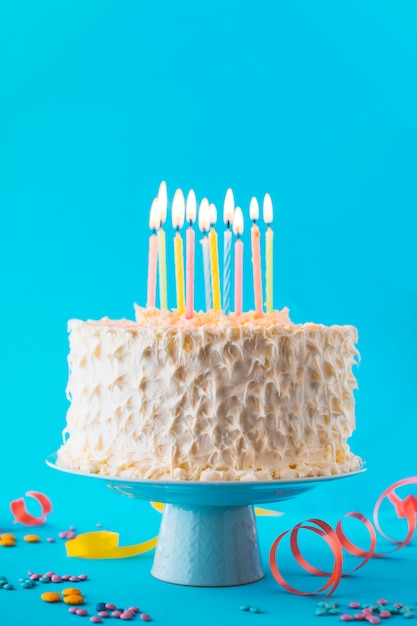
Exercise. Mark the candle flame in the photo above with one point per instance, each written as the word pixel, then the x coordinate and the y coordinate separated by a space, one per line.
pixel 155 216
pixel 267 209
pixel 163 201
pixel 178 209
pixel 203 215
pixel 212 213
pixel 229 207
pixel 238 221
pixel 254 209
pixel 191 206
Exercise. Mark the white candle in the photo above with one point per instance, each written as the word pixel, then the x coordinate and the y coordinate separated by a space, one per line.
pixel 269 259
pixel 162 260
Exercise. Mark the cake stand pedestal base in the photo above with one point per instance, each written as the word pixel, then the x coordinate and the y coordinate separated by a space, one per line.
pixel 208 535
pixel 208 546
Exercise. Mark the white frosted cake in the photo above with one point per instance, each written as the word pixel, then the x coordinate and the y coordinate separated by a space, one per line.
pixel 211 398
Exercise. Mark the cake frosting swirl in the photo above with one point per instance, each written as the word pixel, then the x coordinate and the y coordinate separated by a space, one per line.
pixel 210 398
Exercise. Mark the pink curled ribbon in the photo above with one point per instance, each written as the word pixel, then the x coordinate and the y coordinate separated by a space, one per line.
pixel 21 514
pixel 338 541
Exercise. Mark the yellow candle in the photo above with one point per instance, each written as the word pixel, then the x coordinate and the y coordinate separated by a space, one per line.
pixel 178 213
pixel 269 260
pixel 179 272
pixel 214 260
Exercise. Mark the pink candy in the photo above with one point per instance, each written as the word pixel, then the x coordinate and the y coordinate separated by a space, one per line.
pixel 134 609
pixel 73 609
pixel 116 613
pixel 385 614
pixel 104 614
pixel 382 602
pixel 82 576
pixel 95 619
pixel 111 607
pixel 345 617
pixel 373 619
pixel 359 616
pixel 127 615
pixel 354 605
pixel 82 612
pixel 145 617
pixel 56 579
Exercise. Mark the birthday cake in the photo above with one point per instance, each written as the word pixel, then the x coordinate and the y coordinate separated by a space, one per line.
pixel 210 398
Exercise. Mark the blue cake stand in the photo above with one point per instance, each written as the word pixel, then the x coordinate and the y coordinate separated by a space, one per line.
pixel 208 535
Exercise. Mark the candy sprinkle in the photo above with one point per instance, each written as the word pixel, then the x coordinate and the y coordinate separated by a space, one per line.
pixel 71 591
pixel 50 596
pixel 74 599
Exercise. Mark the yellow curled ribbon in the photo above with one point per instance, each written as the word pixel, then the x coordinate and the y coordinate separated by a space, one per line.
pixel 104 544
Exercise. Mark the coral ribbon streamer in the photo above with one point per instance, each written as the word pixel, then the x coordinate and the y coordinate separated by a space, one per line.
pixel 21 514
pixel 337 540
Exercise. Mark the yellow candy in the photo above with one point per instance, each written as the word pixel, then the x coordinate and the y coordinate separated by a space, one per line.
pixel 32 538
pixel 74 599
pixel 51 596
pixel 8 536
pixel 7 543
pixel 71 591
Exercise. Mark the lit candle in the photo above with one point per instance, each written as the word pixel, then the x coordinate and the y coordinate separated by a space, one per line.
pixel 214 259
pixel 178 210
pixel 153 254
pixel 238 230
pixel 256 256
pixel 204 225
pixel 228 210
pixel 162 257
pixel 190 215
pixel 269 261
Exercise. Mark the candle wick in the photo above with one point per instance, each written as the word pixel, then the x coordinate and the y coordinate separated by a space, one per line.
pixel 191 223
pixel 177 229
pixel 228 224
pixel 254 222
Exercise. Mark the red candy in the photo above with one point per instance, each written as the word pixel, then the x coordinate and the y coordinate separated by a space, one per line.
pixel 359 616
pixel 346 617
pixel 385 614
pixel 354 605
pixel 382 601
pixel 373 619
pixel 367 611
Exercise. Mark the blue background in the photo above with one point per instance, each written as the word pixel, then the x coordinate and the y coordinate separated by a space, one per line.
pixel 314 102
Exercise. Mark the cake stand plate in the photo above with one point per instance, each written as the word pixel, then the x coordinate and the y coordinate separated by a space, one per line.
pixel 208 535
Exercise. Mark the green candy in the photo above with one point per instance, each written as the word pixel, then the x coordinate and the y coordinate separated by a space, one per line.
pixel 245 607
pixel 254 609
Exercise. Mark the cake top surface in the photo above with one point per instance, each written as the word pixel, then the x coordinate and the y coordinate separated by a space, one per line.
pixel 276 321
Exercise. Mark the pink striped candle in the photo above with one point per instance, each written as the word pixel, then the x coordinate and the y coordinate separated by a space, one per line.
pixel 154 220
pixel 238 230
pixel 256 257
pixel 190 215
